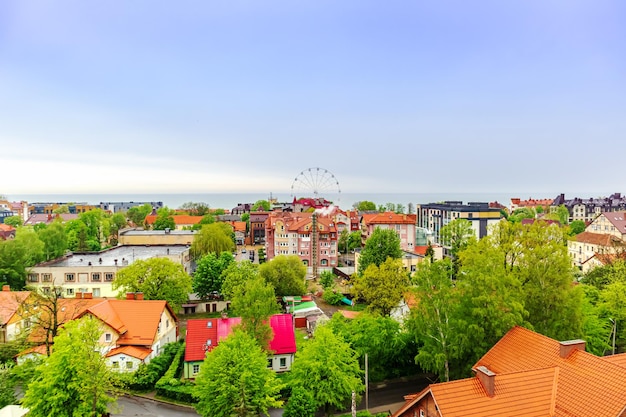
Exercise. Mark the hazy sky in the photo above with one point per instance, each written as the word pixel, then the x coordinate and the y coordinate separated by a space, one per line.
pixel 390 96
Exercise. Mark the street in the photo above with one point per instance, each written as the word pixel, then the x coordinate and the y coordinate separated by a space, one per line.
pixel 145 407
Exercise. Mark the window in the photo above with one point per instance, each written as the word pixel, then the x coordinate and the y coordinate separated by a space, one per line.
pixel 115 365
pixel 95 276
pixel 33 277
pixel 129 365
pixel 196 368
pixel 70 277
pixel 108 276
pixel 96 292
pixel 69 291
pixel 107 337
pixel 270 363
pixel 46 277
pixel 421 413
pixel 283 362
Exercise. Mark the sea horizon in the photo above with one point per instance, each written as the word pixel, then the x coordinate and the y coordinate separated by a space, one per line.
pixel 229 201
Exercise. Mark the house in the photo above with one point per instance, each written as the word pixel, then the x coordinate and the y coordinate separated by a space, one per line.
pixel 257 232
pixel 403 224
pixel 134 330
pixel 137 236
pixel 182 221
pixel 610 223
pixel 587 249
pixel 203 335
pixel 12 316
pixel 124 206
pixel 531 203
pixel 7 232
pixel 587 209
pixel 529 374
pixel 94 272
pixel 39 218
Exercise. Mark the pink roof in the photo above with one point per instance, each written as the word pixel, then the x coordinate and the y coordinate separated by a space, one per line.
pixel 284 340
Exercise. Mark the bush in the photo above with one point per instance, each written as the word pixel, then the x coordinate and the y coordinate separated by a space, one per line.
pixel 170 386
pixel 327 280
pixel 147 376
pixel 332 297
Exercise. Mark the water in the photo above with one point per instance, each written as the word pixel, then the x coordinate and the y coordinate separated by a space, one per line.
pixel 230 200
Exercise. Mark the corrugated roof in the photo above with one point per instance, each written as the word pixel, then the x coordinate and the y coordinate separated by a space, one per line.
pixel 284 340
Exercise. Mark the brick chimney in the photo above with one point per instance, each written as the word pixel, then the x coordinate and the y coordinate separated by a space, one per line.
pixel 6 287
pixel 487 379
pixel 130 295
pixel 569 346
pixel 138 296
pixel 79 294
pixel 88 295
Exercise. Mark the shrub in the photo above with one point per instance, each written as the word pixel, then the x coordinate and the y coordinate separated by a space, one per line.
pixel 332 297
pixel 147 375
pixel 327 279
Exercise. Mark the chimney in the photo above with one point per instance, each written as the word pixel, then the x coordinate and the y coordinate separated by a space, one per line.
pixel 79 295
pixel 130 295
pixel 6 287
pixel 568 346
pixel 487 379
pixel 88 295
pixel 138 296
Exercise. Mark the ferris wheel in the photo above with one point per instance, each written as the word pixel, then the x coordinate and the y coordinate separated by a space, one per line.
pixel 316 183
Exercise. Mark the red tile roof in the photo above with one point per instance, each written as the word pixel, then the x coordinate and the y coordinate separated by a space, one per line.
pixel 10 302
pixel 596 238
pixel 138 352
pixel 389 217
pixel 201 337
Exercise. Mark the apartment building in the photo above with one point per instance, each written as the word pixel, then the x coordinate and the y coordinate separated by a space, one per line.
pixel 587 209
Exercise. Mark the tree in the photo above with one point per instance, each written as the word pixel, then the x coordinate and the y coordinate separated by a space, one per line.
pixel 261 205
pixel 286 273
pixel 164 219
pixel 18 255
pixel 261 254
pixel 43 310
pixel 382 287
pixel 364 206
pixel 54 240
pixel 7 385
pixel 195 209
pixel 342 242
pixel 576 227
pixel 328 367
pixel 456 236
pixel 435 318
pixel 74 381
pixel 522 213
pixel 236 275
pixel 138 214
pixel 234 380
pixel 157 279
pixel 207 277
pixel 255 303
pixel 300 404
pixel 382 244
pixel 213 238
pixel 15 221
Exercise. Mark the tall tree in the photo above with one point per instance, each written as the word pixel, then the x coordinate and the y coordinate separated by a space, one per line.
pixel 213 238
pixel 234 380
pixel 364 206
pixel 236 275
pixel 382 287
pixel 164 219
pixel 255 302
pixel 157 279
pixel 207 277
pixel 74 380
pixel 195 209
pixel 382 244
pixel 286 273
pixel 17 256
pixel 261 205
pixel 54 239
pixel 137 215
pixel 7 386
pixel 456 236
pixel 328 367
pixel 300 404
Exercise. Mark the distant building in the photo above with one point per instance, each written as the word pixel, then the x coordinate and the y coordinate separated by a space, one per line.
pixel 135 236
pixel 587 209
pixel 51 208
pixel 124 206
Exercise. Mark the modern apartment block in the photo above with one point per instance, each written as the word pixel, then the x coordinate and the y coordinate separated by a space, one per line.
pixel 433 216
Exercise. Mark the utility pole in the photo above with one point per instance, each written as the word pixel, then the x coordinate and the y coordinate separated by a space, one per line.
pixel 367 388
pixel 614 331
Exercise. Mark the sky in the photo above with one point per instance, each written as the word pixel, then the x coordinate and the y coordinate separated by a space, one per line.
pixel 243 96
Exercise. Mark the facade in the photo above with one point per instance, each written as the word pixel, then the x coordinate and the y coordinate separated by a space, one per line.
pixel 518 203
pixel 434 216
pixel 587 209
pixel 257 227
pixel 95 272
pixel 7 232
pixel 289 233
pixel 182 221
pixel 50 208
pixel 403 224
pixel 203 335
pixel 610 223
pixel 529 374
pixel 587 249
pixel 129 237
pixel 124 206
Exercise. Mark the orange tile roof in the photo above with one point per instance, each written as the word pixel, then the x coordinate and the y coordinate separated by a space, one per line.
pixel 6 228
pixel 619 359
pixel 10 302
pixel 389 217
pixel 179 219
pixel 596 238
pixel 138 352
pixel 532 379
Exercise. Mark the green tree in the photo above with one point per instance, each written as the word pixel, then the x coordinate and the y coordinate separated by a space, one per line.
pixel 613 304
pixel 15 221
pixel 234 380
pixel 157 279
pixel 7 385
pixel 382 244
pixel 435 318
pixel 576 227
pixel 213 238
pixel 236 275
pixel 364 206
pixel 137 215
pixel 261 205
pixel 261 255
pixel 54 240
pixel 456 236
pixel 342 242
pixel 328 367
pixel 18 255
pixel 522 213
pixel 286 273
pixel 208 275
pixel 74 381
pixel 327 279
pixel 300 404
pixel 195 209
pixel 164 219
pixel 596 328
pixel 382 287
pixel 255 302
